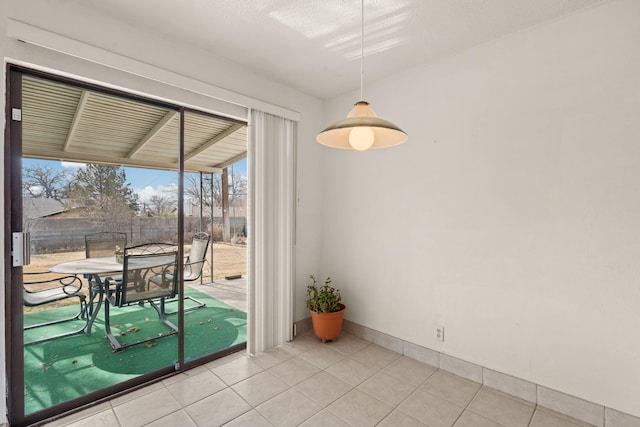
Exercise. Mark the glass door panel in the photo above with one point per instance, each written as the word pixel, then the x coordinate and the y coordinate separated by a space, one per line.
pixel 115 188
pixel 215 242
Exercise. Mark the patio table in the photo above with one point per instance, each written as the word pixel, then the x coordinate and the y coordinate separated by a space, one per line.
pixel 93 268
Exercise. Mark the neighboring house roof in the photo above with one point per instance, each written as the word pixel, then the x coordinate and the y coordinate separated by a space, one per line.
pixel 41 207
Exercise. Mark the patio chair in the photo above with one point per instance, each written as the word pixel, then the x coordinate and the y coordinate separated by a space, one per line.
pixel 38 291
pixel 145 278
pixel 151 248
pixel 193 266
pixel 194 262
pixel 97 245
pixel 104 243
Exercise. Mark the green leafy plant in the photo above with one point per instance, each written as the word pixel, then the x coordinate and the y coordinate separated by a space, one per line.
pixel 324 298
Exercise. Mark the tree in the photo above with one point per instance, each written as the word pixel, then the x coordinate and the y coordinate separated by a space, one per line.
pixel 209 183
pixel 104 192
pixel 161 204
pixel 237 189
pixel 41 180
pixel 212 195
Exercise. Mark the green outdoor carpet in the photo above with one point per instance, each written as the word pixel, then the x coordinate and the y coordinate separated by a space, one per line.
pixel 65 368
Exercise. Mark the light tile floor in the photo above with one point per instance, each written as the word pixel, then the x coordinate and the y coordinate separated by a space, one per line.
pixel 350 382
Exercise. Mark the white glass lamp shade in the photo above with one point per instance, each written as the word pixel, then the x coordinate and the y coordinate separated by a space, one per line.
pixel 362 130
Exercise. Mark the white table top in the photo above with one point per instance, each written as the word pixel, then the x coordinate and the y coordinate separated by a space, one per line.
pixel 107 264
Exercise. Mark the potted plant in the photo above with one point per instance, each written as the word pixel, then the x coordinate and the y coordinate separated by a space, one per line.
pixel 326 309
pixel 119 254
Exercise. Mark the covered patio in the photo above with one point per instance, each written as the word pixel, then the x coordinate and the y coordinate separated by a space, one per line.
pixel 72 122
pixel 69 367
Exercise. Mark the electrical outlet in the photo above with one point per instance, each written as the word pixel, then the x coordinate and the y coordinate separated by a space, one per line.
pixel 440 333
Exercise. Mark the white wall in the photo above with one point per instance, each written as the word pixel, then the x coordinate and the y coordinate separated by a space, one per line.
pixel 512 215
pixel 516 196
pixel 168 70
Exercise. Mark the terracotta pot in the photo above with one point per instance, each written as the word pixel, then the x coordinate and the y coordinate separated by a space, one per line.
pixel 327 326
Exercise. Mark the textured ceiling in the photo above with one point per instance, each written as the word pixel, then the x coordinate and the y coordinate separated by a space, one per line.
pixel 314 45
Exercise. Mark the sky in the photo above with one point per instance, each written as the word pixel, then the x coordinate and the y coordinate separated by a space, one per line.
pixel 145 182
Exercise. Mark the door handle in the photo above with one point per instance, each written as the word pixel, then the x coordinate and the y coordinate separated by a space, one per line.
pixel 20 248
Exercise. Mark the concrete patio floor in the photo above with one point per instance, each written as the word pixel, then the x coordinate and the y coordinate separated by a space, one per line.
pixel 231 292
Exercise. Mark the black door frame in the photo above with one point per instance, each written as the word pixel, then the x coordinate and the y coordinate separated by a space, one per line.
pixel 14 340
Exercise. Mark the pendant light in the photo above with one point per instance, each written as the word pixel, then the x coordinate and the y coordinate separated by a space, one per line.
pixel 362 129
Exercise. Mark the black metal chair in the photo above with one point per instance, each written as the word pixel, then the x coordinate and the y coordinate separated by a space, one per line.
pixel 151 248
pixel 38 291
pixel 148 278
pixel 194 262
pixel 104 243
pixel 193 265
pixel 97 245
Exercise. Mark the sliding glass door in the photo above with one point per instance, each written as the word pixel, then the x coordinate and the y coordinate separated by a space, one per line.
pixel 115 292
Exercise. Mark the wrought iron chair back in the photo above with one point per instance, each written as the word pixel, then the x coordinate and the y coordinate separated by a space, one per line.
pixel 147 277
pixel 39 288
pixel 151 248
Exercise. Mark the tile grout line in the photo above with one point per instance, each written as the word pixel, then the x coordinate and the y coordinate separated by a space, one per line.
pixel 469 404
pixel 229 387
pixel 376 371
pixel 410 394
pixel 395 407
pixel 292 387
pixel 184 407
pixel 438 354
pixel 533 414
pixel 354 387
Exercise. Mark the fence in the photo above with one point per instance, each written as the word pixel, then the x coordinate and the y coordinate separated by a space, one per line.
pixel 67 234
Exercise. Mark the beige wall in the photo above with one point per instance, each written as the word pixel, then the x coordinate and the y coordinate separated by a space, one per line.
pixel 520 185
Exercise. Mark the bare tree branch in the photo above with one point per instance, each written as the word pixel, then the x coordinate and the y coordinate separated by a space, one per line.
pixel 43 181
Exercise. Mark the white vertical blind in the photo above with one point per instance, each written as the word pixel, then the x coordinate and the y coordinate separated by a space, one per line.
pixel 271 227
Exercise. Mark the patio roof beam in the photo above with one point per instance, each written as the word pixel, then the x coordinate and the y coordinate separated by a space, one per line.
pixel 219 137
pixel 76 119
pixel 205 169
pixel 232 160
pixel 83 158
pixel 153 132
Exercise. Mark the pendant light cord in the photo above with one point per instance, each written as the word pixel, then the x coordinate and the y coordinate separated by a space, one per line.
pixel 362 55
